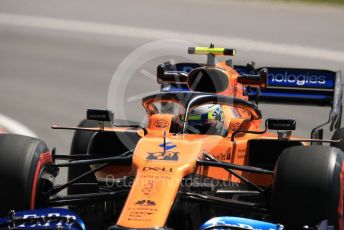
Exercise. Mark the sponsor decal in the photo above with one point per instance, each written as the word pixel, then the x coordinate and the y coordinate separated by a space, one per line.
pixel 220 156
pixel 161 123
pixel 155 177
pixel 140 214
pixel 48 218
pixel 149 188
pixel 158 169
pixel 142 210
pixel 238 222
pixel 165 155
pixel 168 146
pixel 228 153
pixel 66 220
pixel 299 78
pixel 139 219
pixel 145 203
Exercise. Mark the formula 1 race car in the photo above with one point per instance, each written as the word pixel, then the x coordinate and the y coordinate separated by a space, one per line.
pixel 205 159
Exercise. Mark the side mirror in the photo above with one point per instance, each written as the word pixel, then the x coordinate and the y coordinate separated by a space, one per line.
pixel 173 77
pixel 257 81
pixel 164 76
pixel 281 124
pixel 99 115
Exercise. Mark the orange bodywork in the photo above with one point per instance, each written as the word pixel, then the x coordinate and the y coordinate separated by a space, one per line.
pixel 160 168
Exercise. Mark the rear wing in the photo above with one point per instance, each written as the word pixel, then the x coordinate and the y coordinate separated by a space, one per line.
pixel 302 86
pixel 284 85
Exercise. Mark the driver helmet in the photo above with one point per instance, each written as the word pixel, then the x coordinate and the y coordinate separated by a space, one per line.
pixel 206 119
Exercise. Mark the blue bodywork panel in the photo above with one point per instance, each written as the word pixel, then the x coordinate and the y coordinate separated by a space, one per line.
pixel 226 222
pixel 48 218
pixel 292 84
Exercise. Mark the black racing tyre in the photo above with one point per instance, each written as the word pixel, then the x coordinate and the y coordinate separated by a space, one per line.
pixel 338 135
pixel 79 146
pixel 22 161
pixel 308 186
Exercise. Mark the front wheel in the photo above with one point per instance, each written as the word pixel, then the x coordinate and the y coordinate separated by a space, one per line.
pixel 23 161
pixel 308 186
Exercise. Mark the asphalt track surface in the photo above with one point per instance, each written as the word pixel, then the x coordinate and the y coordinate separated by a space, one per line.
pixel 57 58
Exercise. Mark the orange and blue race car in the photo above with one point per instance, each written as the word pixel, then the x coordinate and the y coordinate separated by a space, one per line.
pixel 205 160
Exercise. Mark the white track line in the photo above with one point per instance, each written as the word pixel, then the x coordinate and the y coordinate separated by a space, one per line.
pixel 147 33
pixel 13 126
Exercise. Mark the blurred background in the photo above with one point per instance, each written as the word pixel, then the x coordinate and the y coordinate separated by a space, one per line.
pixel 57 58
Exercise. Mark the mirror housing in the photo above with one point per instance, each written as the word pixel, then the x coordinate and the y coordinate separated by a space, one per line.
pixel 172 77
pixel 99 115
pixel 257 81
pixel 168 76
pixel 281 124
